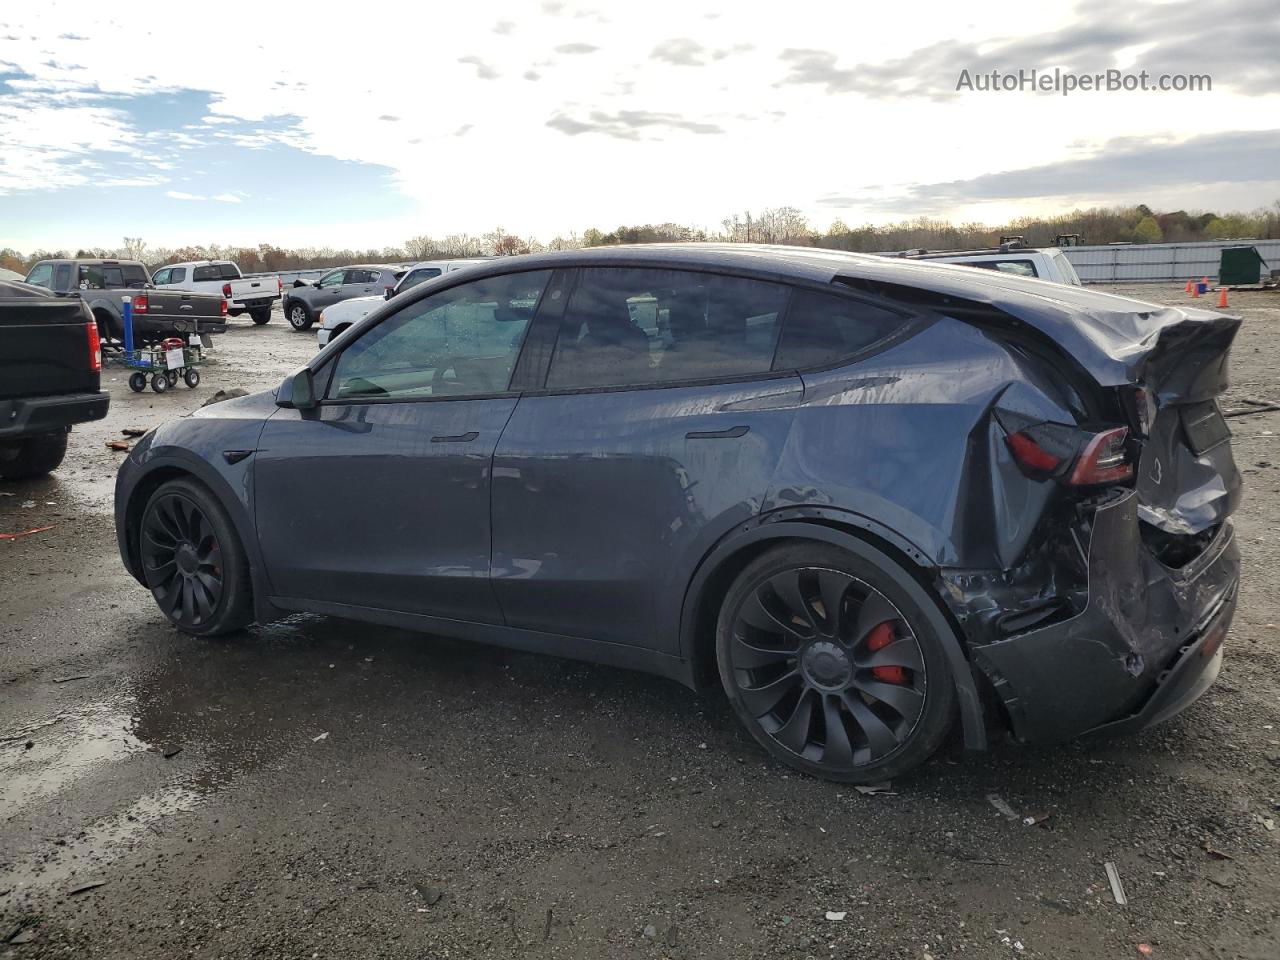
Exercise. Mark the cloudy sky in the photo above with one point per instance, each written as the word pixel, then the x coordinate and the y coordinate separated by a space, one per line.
pixel 349 126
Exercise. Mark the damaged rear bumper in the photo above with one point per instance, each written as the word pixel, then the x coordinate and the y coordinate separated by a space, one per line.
pixel 1146 645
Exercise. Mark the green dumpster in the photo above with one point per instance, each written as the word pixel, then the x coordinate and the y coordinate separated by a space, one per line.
pixel 1240 266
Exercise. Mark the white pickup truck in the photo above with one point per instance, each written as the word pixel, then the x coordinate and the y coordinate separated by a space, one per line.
pixel 1044 263
pixel 252 295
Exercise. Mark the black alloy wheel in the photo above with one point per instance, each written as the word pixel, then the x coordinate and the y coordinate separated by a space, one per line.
pixel 182 560
pixel 833 666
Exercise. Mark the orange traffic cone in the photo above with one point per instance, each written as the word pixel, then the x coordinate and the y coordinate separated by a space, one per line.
pixel 1195 291
pixel 1222 299
pixel 1188 286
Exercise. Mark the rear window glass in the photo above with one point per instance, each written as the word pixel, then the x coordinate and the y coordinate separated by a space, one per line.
pixel 626 326
pixel 822 329
pixel 416 277
pixel 229 271
pixel 1019 268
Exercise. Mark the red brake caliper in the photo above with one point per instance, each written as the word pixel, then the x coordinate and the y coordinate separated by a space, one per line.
pixel 881 636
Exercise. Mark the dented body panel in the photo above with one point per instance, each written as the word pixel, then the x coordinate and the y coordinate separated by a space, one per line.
pixel 596 523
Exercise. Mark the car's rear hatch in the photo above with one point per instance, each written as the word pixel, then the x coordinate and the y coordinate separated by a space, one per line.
pixel 1166 365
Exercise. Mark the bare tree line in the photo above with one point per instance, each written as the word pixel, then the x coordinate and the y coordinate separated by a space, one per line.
pixel 786 225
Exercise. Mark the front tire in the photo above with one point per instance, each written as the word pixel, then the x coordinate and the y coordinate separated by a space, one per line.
pixel 34 456
pixel 300 316
pixel 833 664
pixel 193 561
pixel 137 382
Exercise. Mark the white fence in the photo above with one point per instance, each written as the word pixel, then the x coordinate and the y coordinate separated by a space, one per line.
pixel 1154 262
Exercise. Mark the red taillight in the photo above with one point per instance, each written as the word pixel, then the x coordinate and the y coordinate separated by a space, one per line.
pixel 1030 454
pixel 224 307
pixel 140 303
pixel 95 345
pixel 226 289
pixel 1104 460
pixel 279 285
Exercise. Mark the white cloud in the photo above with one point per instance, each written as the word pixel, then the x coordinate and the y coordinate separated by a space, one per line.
pixel 226 198
pixel 180 195
pixel 673 115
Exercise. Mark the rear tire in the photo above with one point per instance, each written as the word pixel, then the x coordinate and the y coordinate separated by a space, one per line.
pixel 260 316
pixel 833 662
pixel 193 561
pixel 34 456
pixel 192 377
pixel 137 382
pixel 160 382
pixel 300 316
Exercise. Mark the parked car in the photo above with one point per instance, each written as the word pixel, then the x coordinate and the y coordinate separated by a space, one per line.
pixel 157 314
pixel 303 303
pixel 1044 263
pixel 252 295
pixel 50 365
pixel 864 495
pixel 335 319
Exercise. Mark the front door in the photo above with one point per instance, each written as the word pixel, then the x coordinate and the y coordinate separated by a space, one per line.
pixel 657 430
pixel 380 496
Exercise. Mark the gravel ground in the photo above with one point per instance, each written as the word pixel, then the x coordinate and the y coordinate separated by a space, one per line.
pixel 325 789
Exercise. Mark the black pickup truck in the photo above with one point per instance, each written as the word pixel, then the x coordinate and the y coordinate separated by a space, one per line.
pixel 50 377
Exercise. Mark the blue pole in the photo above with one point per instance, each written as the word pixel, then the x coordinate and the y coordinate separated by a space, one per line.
pixel 128 327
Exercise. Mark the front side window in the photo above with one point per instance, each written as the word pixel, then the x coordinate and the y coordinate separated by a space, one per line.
pixel 41 275
pixel 626 326
pixel 331 279
pixel 160 277
pixel 415 277
pixel 822 329
pixel 460 342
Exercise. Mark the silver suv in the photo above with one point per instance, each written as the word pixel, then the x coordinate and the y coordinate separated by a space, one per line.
pixel 302 304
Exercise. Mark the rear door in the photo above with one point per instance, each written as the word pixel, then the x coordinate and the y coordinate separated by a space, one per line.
pixel 652 430
pixel 381 496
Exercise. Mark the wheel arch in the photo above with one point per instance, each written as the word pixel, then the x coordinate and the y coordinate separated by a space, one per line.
pixel 858 535
pixel 171 468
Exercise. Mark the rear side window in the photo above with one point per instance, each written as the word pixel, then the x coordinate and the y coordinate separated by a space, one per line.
pixel 823 329
pixel 207 272
pixel 178 275
pixel 91 277
pixel 357 276
pixel 62 276
pixel 625 326
pixel 41 275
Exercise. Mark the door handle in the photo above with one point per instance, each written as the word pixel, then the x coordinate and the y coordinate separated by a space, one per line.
pixel 732 433
pixel 460 438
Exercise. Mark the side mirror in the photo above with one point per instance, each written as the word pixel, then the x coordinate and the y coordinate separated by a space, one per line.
pixel 298 392
pixel 299 282
pixel 389 293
